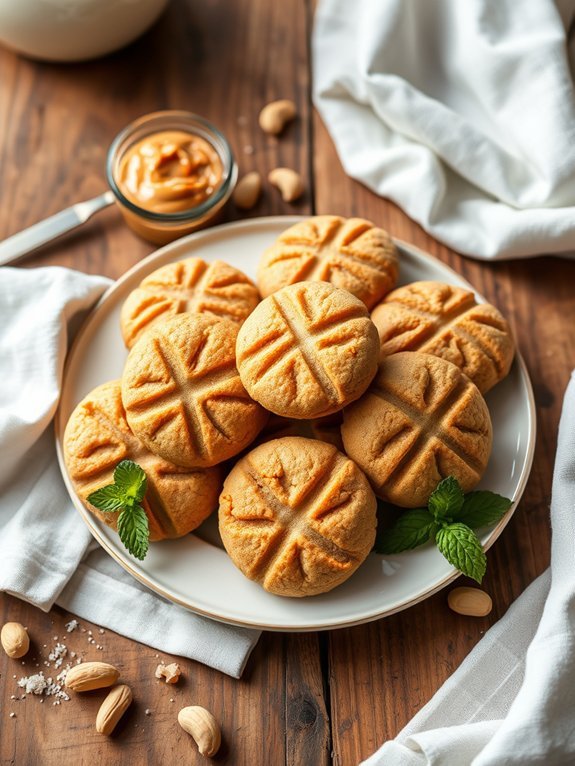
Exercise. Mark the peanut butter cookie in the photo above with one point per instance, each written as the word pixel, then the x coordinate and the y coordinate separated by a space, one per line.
pixel 97 438
pixel 297 516
pixel 183 395
pixel 307 350
pixel 420 421
pixel 351 253
pixel 447 321
pixel 192 285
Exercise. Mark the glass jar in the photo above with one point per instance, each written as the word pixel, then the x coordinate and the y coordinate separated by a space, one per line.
pixel 161 227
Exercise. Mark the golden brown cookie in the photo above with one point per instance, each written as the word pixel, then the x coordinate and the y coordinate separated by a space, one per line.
pixel 307 350
pixel 447 321
pixel 348 252
pixel 297 516
pixel 420 421
pixel 192 285
pixel 97 438
pixel 183 395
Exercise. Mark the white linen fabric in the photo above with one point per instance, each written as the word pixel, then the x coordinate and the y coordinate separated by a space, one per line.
pixel 47 554
pixel 463 113
pixel 512 700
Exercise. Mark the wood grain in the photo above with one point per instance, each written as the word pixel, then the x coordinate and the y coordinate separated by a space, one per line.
pixel 304 699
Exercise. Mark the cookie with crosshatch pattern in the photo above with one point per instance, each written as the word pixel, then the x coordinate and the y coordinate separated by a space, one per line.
pixel 97 438
pixel 183 395
pixel 420 421
pixel 446 321
pixel 351 253
pixel 297 516
pixel 307 350
pixel 191 285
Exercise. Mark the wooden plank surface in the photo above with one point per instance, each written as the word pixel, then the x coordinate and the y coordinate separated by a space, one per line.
pixel 305 700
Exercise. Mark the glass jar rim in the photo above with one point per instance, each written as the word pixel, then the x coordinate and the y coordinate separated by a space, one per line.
pixel 196 125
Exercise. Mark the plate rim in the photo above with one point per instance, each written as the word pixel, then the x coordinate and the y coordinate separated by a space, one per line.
pixel 171 250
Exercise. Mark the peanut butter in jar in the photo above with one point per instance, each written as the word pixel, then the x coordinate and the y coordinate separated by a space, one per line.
pixel 171 173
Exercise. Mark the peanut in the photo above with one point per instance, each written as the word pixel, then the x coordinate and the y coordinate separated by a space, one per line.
pixel 113 708
pixel 248 190
pixel 275 116
pixel 15 641
pixel 470 601
pixel 91 675
pixel 203 727
pixel 288 182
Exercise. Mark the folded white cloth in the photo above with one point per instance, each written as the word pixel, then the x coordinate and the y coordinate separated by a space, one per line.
pixel 47 554
pixel 512 701
pixel 463 113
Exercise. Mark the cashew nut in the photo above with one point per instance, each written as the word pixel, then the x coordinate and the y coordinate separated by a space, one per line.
pixel 275 116
pixel 248 190
pixel 288 182
pixel 203 727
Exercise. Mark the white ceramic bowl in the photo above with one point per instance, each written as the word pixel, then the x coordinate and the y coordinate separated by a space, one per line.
pixel 74 30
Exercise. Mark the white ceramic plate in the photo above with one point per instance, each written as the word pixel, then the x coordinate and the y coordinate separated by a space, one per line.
pixel 195 571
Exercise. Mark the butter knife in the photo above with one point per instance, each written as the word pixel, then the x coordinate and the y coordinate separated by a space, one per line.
pixel 40 233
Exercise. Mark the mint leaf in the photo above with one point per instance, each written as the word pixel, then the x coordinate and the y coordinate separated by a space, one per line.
pixel 461 547
pixel 131 479
pixel 482 508
pixel 124 495
pixel 108 498
pixel 446 500
pixel 134 531
pixel 413 528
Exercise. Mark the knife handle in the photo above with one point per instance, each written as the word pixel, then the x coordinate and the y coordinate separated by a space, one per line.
pixel 40 233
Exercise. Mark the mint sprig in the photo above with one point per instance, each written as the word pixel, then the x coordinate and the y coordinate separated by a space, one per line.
pixel 124 496
pixel 449 519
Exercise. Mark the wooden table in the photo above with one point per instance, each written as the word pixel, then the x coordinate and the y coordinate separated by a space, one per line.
pixel 305 699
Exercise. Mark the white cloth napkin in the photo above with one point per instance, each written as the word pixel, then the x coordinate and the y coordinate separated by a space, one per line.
pixel 463 113
pixel 512 701
pixel 47 554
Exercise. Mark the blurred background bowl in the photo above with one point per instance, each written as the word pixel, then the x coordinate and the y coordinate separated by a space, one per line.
pixel 74 30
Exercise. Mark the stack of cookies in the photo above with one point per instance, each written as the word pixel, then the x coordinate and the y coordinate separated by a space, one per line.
pixel 302 404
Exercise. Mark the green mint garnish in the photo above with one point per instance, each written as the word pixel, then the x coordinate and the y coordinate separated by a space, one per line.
pixel 125 496
pixel 446 500
pixel 449 519
pixel 462 548
pixel 413 528
pixel 482 508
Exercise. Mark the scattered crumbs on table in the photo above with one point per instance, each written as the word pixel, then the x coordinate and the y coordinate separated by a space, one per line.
pixel 71 626
pixel 38 684
pixel 57 654
pixel 101 631
pixel 12 715
pixel 147 711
